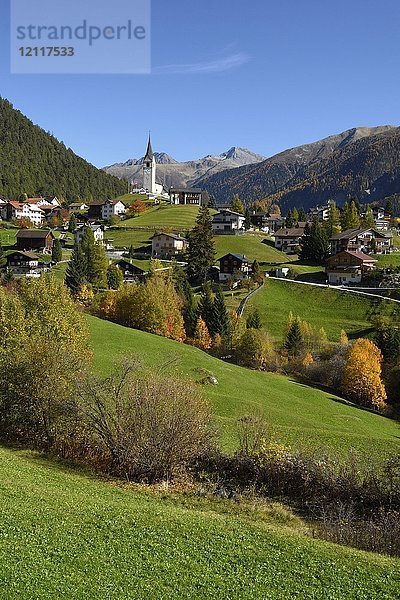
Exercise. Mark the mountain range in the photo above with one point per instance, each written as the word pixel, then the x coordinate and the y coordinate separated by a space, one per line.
pixel 362 162
pixel 191 173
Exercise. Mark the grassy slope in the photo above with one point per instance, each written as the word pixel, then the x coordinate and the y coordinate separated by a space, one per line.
pixel 166 215
pixel 8 236
pixel 67 535
pixel 332 309
pixel 251 245
pixel 298 414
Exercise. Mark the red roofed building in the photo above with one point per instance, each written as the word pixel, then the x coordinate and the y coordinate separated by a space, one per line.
pixel 348 267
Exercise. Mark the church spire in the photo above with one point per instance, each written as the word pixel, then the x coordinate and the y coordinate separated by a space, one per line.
pixel 149 151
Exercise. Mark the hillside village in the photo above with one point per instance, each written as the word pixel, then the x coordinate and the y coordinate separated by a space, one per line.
pixel 353 243
pixel 280 310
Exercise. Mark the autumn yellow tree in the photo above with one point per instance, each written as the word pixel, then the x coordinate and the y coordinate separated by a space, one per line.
pixel 362 375
pixel 152 306
pixel 202 338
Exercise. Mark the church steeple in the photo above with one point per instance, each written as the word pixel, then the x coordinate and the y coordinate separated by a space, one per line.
pixel 149 152
pixel 149 170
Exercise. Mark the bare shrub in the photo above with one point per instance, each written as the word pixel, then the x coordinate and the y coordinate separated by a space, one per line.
pixel 252 431
pixel 148 428
pixel 340 523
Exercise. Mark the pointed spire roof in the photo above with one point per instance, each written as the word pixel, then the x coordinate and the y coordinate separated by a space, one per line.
pixel 149 152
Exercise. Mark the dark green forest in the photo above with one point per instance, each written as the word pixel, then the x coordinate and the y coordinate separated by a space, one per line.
pixel 34 162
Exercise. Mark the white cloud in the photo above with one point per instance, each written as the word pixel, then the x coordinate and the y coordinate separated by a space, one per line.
pixel 218 65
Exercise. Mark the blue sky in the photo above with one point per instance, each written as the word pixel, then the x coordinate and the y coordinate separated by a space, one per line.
pixel 263 75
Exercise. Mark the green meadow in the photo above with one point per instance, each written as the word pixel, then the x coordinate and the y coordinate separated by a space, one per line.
pixel 177 217
pixel 66 534
pixel 298 414
pixel 328 308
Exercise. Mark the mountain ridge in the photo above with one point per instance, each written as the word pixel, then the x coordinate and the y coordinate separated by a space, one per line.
pixel 276 176
pixel 173 173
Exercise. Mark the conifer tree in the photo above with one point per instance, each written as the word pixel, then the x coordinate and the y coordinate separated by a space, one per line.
pixel 257 274
pixel 319 242
pixel 114 277
pixel 289 221
pixel 295 215
pixel 294 343
pixel 206 308
pixel 189 306
pixel 237 204
pixel 99 267
pixel 305 252
pixel 302 215
pixel 368 219
pixel 56 253
pixel 247 220
pixel 332 225
pixel 75 276
pixel 201 252
pixel 72 223
pixel 315 245
pixel 253 321
pixel 350 216
pixel 221 317
pixel 389 207
pixel 88 248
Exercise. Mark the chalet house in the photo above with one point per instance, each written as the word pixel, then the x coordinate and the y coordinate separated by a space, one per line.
pixel 266 222
pixel 97 232
pixel 35 239
pixel 25 263
pixel 104 209
pixel 320 212
pixel 46 201
pixel 234 266
pixel 227 222
pixel 362 240
pixel 23 210
pixel 188 196
pixel 382 219
pixel 289 240
pixel 130 271
pixel 168 245
pixel 78 207
pixel 348 267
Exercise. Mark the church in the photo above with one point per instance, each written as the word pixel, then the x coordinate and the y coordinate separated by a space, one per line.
pixel 149 173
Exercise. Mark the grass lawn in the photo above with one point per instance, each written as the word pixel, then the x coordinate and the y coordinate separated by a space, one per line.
pixel 387 260
pixel 175 217
pixel 252 246
pixel 65 534
pixel 59 270
pixel 331 309
pixel 8 236
pixel 124 239
pixel 298 414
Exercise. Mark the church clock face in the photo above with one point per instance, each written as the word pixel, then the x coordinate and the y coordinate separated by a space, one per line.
pixel 147 170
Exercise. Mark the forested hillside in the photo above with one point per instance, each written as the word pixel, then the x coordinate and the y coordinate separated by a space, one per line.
pixel 362 162
pixel 34 162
